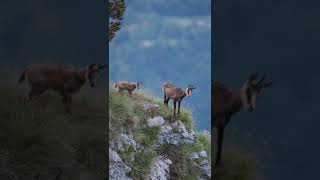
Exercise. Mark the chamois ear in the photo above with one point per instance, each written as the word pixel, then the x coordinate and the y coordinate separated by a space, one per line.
pixel 191 86
pixel 103 66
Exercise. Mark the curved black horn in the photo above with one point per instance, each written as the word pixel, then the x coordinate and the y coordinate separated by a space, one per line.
pixel 262 79
pixel 192 86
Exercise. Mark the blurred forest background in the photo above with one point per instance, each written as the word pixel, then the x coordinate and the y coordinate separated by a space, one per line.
pixel 166 41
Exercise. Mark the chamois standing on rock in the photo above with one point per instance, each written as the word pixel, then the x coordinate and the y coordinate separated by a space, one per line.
pixel 170 91
pixel 66 80
pixel 227 102
pixel 130 87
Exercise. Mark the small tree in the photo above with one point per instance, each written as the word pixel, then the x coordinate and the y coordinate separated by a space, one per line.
pixel 116 9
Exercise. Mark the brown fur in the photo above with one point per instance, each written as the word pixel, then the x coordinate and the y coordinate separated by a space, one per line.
pixel 170 91
pixel 127 86
pixel 66 80
pixel 226 103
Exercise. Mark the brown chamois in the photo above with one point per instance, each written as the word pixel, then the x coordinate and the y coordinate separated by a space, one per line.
pixel 171 91
pixel 227 102
pixel 66 80
pixel 130 87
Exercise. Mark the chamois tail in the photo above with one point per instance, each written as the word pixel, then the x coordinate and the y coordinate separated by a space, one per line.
pixel 22 77
pixel 219 147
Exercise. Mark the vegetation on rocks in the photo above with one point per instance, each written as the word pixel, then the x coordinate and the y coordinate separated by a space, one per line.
pixel 132 115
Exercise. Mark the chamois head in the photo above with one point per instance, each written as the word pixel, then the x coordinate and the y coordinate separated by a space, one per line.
pixel 93 73
pixel 189 89
pixel 250 89
pixel 139 84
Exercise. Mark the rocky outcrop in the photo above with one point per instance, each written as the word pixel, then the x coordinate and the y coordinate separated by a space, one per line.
pixel 124 141
pixel 200 160
pixel 150 106
pixel 156 121
pixel 160 170
pixel 173 133
pixel 176 134
pixel 118 170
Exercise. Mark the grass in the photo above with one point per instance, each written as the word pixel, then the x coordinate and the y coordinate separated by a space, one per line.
pixel 142 163
pixel 204 142
pixel 124 109
pixel 149 136
pixel 40 140
pixel 183 167
pixel 237 165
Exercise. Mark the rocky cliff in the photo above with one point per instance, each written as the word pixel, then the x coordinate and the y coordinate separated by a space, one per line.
pixel 147 142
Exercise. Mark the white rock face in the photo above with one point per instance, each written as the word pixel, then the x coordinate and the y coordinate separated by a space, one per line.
pixel 148 106
pixel 175 133
pixel 194 156
pixel 156 121
pixel 204 165
pixel 160 170
pixel 117 168
pixel 203 154
pixel 123 141
pixel 113 156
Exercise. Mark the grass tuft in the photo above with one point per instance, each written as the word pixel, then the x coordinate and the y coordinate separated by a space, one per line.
pixel 237 165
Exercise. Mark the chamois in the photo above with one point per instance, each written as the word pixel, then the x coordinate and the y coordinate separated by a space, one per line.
pixel 170 91
pixel 66 80
pixel 130 87
pixel 227 102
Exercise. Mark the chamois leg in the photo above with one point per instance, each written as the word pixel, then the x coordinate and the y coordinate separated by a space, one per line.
pixel 120 90
pixel 69 105
pixel 130 93
pixel 34 92
pixel 174 107
pixel 179 102
pixel 167 102
pixel 66 99
pixel 164 98
pixel 220 131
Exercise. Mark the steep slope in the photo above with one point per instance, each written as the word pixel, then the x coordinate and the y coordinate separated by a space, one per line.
pixel 147 142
